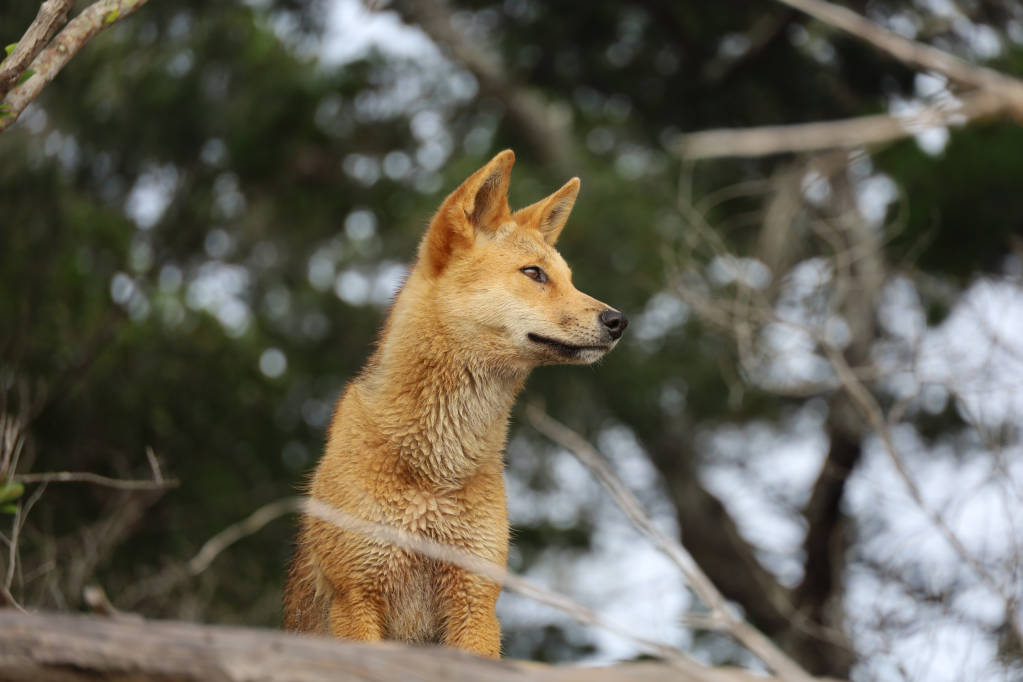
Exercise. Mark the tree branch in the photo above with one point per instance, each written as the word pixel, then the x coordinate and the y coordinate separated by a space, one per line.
pixel 742 631
pixel 871 410
pixel 408 541
pixel 52 15
pixel 862 131
pixel 96 479
pixel 499 574
pixel 538 122
pixel 12 561
pixel 59 52
pixel 993 93
pixel 913 53
pixel 173 575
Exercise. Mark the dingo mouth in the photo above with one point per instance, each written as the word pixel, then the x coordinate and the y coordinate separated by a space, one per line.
pixel 561 347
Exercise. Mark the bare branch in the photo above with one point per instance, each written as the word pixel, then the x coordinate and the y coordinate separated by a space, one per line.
pixel 499 574
pixel 154 465
pixel 172 576
pixel 541 125
pixel 872 412
pixel 862 131
pixel 235 532
pixel 19 522
pixel 66 45
pixel 213 547
pixel 913 53
pixel 52 15
pixel 742 631
pixel 175 574
pixel 993 93
pixel 96 479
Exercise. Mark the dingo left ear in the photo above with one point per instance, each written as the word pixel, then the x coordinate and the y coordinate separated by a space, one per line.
pixel 480 204
pixel 550 215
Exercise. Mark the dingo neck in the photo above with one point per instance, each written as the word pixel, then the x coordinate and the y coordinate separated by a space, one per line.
pixel 440 402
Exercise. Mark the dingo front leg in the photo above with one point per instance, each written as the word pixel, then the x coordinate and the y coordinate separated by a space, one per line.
pixel 357 614
pixel 467 602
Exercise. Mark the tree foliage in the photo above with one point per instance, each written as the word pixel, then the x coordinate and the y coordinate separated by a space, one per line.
pixel 202 224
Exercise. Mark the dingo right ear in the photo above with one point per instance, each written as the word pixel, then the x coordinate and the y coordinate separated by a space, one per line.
pixel 550 215
pixel 480 204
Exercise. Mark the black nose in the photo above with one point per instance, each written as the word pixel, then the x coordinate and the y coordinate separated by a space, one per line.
pixel 615 322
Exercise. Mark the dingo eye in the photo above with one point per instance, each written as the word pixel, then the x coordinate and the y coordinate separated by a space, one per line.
pixel 534 273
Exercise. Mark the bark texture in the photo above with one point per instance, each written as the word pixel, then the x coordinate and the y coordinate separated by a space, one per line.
pixel 73 648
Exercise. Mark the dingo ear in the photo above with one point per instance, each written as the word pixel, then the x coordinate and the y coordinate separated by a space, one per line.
pixel 550 215
pixel 480 204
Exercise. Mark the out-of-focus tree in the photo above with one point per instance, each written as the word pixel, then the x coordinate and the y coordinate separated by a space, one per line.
pixel 202 225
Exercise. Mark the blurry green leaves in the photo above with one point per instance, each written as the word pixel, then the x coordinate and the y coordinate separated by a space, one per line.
pixel 10 493
pixel 957 223
pixel 26 75
pixel 207 92
pixel 10 48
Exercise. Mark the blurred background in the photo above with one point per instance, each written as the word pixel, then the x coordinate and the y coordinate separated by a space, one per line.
pixel 204 218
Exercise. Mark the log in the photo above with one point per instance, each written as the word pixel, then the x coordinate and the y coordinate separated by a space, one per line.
pixel 61 647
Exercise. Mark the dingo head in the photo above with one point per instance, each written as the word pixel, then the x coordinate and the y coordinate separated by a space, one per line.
pixel 501 286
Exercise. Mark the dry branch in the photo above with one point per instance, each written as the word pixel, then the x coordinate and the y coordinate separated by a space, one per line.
pixel 545 131
pixel 862 131
pixel 750 637
pixel 175 574
pixel 48 62
pixel 992 93
pixel 499 574
pixel 96 479
pixel 911 52
pixel 872 412
pixel 73 648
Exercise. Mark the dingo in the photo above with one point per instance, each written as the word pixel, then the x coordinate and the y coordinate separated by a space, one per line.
pixel 417 439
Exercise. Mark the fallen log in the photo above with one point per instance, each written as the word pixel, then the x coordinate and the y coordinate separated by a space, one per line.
pixel 61 647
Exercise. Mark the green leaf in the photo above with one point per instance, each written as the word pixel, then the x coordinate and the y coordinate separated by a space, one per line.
pixel 28 73
pixel 10 491
pixel 9 509
pixel 111 16
pixel 10 48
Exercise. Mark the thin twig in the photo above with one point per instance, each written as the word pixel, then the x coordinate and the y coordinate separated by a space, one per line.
pixel 872 412
pixel 59 52
pixel 20 517
pixel 253 523
pixel 753 639
pixel 175 574
pixel 96 479
pixel 154 465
